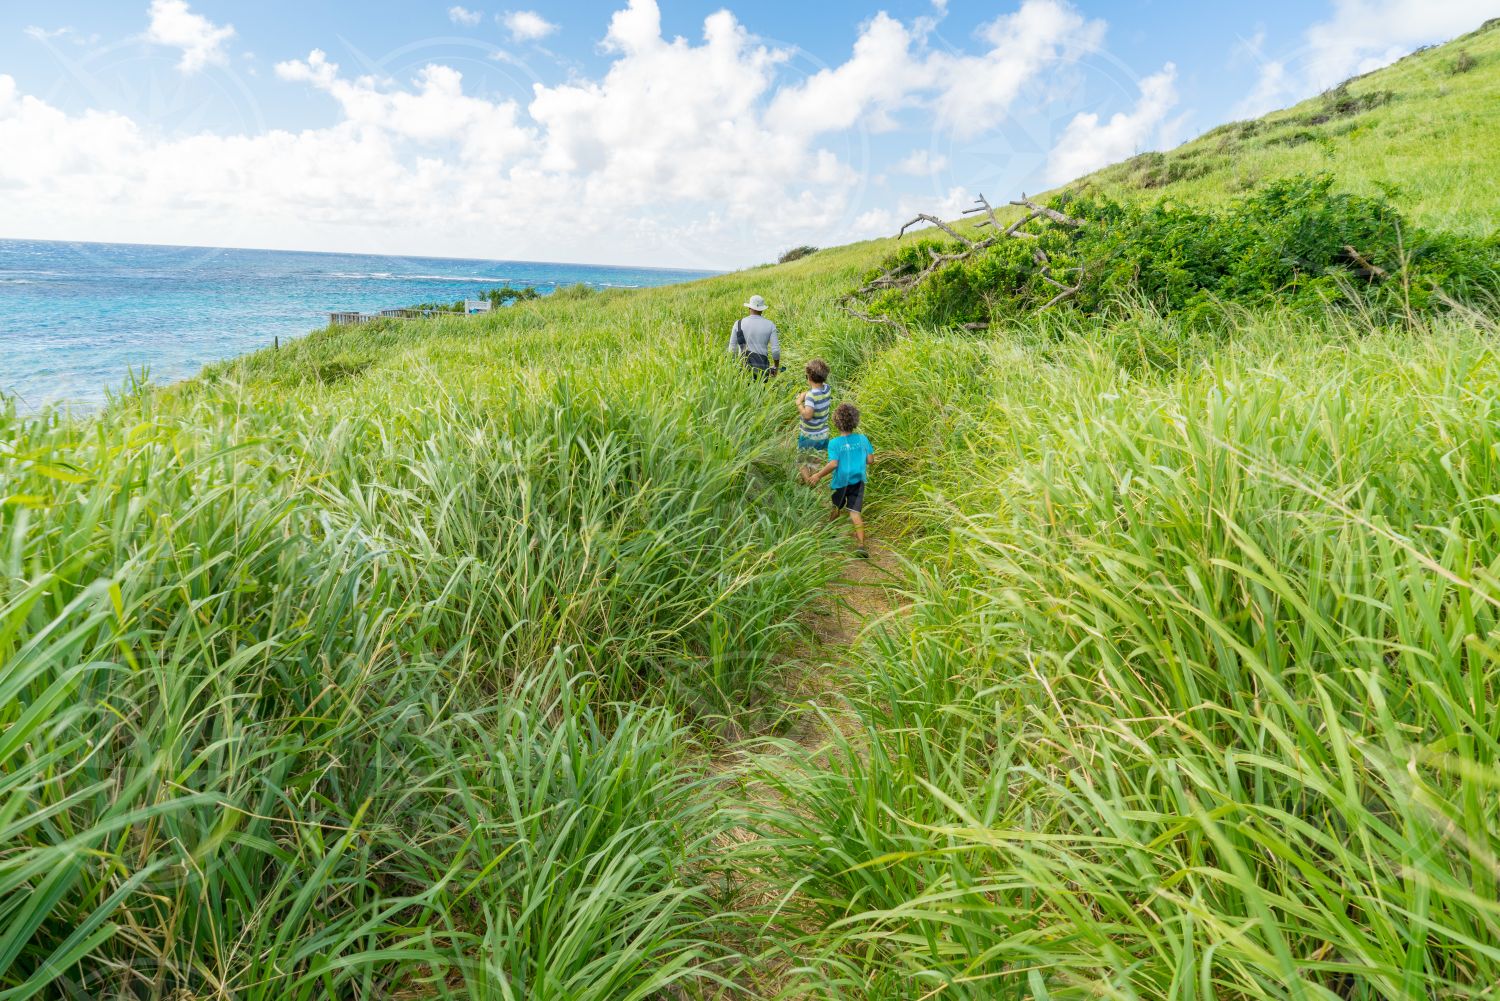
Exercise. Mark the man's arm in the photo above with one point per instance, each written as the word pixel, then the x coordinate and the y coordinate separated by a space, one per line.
pixel 733 332
pixel 775 347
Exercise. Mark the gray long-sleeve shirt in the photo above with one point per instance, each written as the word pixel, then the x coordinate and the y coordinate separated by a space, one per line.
pixel 760 337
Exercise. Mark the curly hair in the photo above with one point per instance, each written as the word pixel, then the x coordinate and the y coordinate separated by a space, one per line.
pixel 817 371
pixel 846 417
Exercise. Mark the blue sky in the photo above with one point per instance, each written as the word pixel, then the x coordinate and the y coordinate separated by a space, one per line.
pixel 673 133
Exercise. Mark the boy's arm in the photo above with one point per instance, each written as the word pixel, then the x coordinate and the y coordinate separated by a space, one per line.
pixel 813 479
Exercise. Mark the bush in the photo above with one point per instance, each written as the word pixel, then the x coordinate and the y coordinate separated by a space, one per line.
pixel 1293 243
pixel 581 290
pixel 796 254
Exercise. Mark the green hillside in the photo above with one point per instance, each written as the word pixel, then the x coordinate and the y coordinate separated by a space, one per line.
pixel 503 657
pixel 1420 130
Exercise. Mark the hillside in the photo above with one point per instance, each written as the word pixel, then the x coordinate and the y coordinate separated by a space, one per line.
pixel 491 658
pixel 1420 130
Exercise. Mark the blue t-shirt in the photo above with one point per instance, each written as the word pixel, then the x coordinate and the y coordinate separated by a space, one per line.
pixel 851 452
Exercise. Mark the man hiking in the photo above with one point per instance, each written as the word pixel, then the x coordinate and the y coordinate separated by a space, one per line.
pixel 755 339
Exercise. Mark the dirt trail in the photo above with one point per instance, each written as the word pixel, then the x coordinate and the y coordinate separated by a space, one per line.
pixel 820 667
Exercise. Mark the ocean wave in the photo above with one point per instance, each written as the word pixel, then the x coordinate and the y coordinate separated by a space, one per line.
pixel 388 276
pixel 16 281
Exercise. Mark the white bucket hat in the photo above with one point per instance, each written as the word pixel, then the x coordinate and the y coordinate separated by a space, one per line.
pixel 756 303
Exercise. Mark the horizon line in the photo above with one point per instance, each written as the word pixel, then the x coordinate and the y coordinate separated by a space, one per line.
pixel 356 253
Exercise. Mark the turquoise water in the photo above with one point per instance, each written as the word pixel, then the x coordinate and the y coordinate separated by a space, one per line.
pixel 76 319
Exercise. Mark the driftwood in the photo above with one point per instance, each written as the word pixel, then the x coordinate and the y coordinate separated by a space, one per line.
pixel 905 278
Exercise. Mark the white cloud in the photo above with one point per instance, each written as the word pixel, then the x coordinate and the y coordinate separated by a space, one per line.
pixel 1088 144
pixel 980 89
pixel 174 24
pixel 921 163
pixel 880 76
pixel 464 16
pixel 679 151
pixel 890 69
pixel 1362 35
pixel 436 111
pixel 527 25
pixel 1273 88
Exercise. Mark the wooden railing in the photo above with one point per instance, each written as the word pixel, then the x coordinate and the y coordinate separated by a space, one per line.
pixel 345 318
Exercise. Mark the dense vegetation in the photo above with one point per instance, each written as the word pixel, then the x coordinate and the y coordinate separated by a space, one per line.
pixel 1293 242
pixel 502 295
pixel 462 657
pixel 796 254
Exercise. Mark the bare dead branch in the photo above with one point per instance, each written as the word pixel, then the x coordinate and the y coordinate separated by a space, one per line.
pixel 1016 230
pixel 982 204
pixel 924 217
pixel 1066 293
pixel 1053 214
pixel 904 277
pixel 1367 268
pixel 886 320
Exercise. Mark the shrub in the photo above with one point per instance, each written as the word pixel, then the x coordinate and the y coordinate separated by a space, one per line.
pixel 1340 103
pixel 796 254
pixel 1294 243
pixel 581 290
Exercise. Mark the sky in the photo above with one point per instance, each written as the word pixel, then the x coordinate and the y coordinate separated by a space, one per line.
pixel 670 133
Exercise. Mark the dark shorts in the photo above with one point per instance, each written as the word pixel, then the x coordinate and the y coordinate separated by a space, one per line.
pixel 850 497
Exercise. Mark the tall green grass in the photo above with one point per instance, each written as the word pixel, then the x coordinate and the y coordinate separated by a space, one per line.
pixel 1197 694
pixel 322 682
pixel 392 663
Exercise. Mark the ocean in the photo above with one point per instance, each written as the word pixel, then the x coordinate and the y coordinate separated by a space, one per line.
pixel 76 319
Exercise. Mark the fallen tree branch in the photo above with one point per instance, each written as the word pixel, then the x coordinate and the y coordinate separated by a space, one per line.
pixel 1367 268
pixel 1053 214
pixel 1066 293
pixel 885 320
pixel 982 205
pixel 904 277
pixel 924 217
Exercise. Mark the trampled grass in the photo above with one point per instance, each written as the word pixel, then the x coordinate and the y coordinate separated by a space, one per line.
pixel 393 663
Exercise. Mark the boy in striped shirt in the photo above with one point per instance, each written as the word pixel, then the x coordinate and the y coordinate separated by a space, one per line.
pixel 813 404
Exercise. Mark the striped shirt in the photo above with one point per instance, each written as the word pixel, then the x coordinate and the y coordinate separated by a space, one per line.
pixel 820 399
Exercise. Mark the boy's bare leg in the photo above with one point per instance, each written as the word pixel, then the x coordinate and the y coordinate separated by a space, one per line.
pixel 859 527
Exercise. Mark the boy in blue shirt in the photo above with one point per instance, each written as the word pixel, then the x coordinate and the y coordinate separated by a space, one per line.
pixel 848 459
